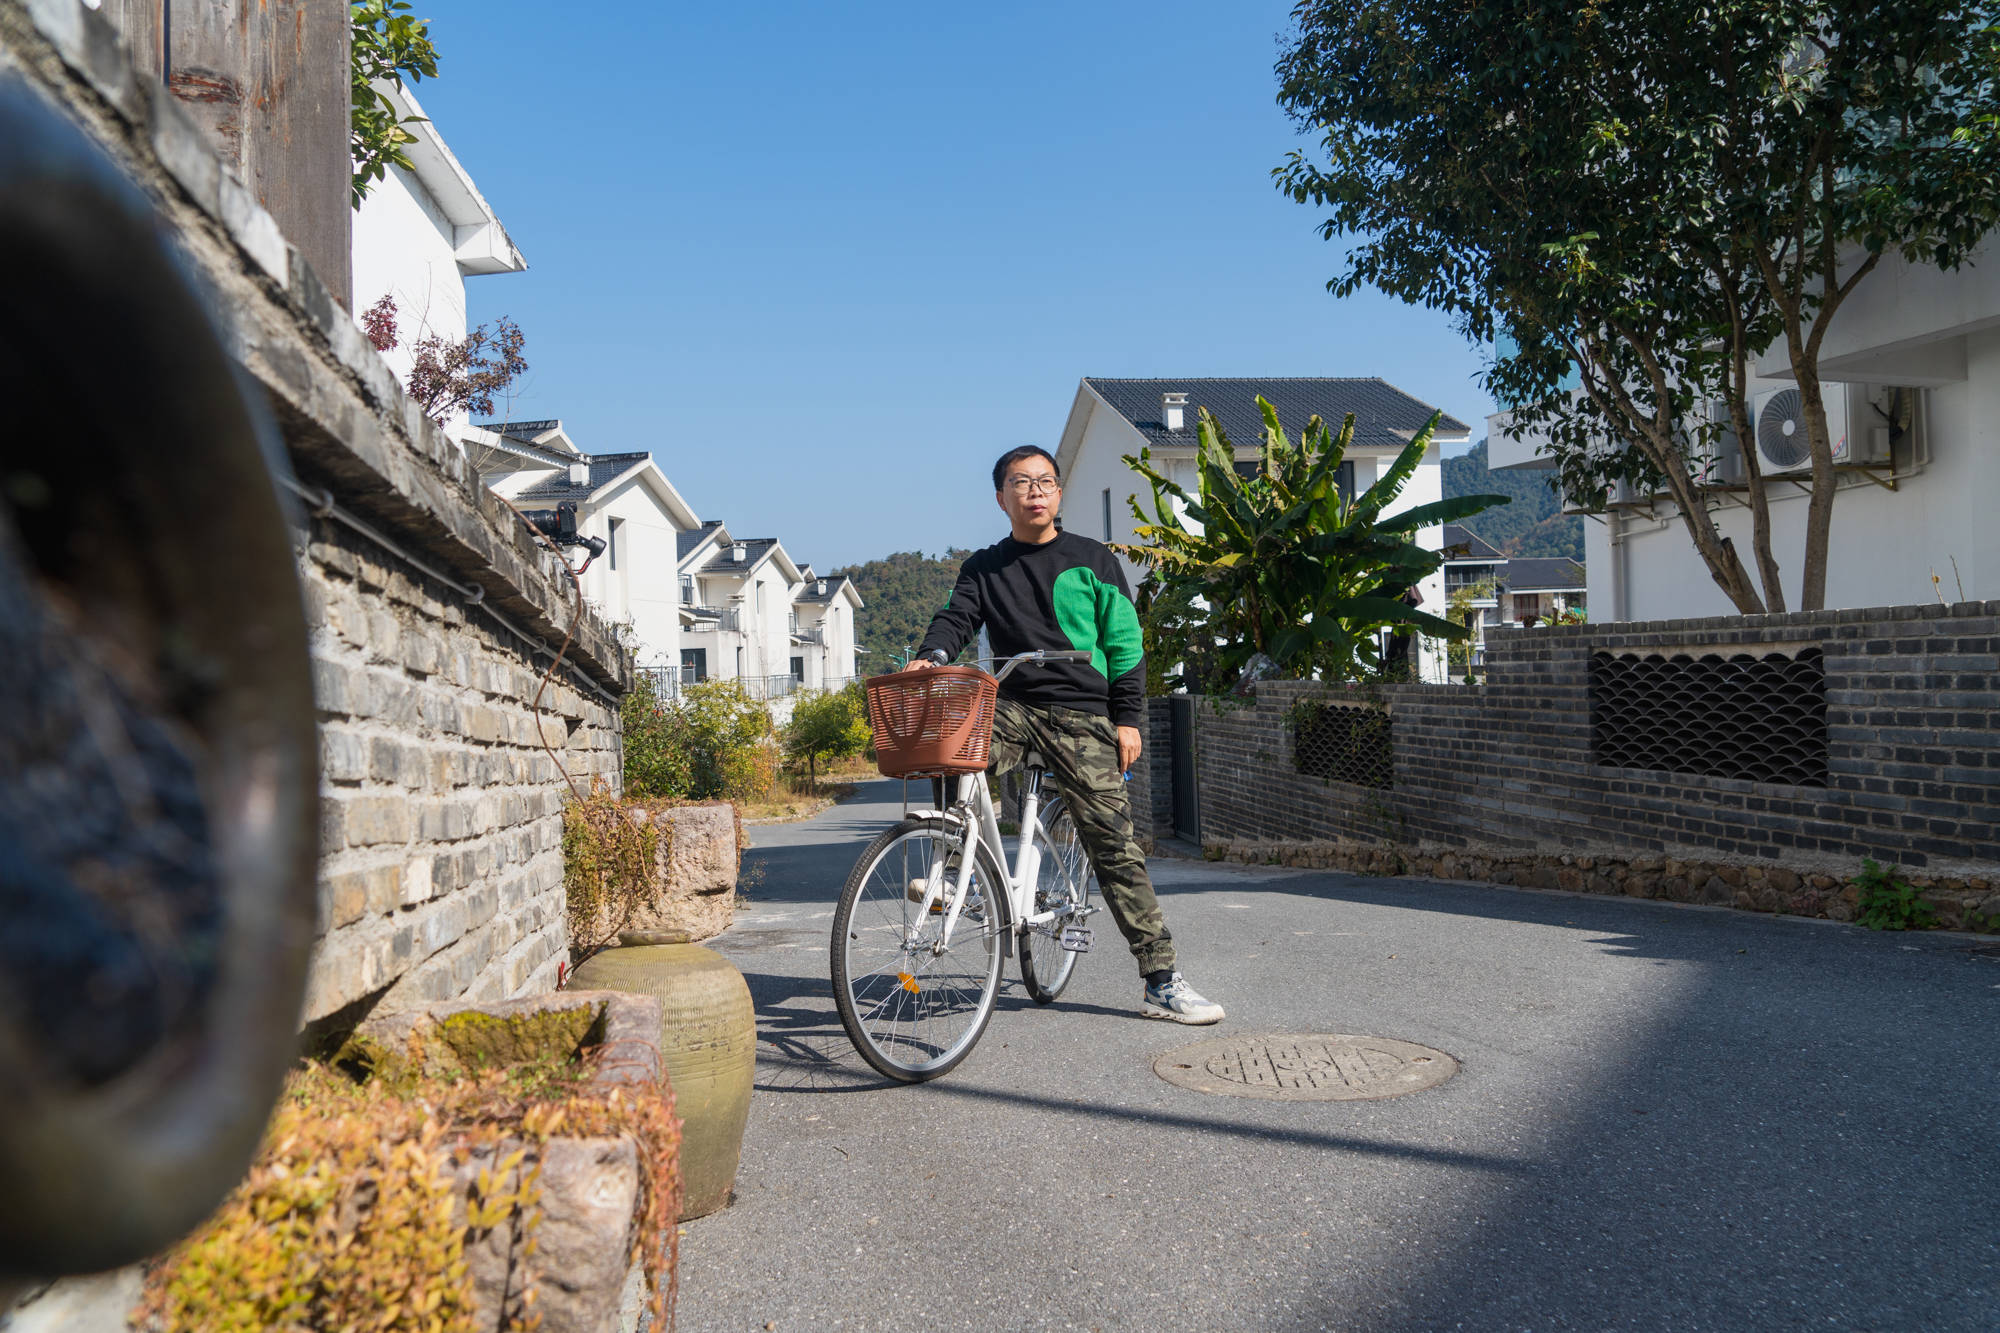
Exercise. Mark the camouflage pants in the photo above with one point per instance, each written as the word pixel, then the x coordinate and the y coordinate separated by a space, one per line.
pixel 1081 751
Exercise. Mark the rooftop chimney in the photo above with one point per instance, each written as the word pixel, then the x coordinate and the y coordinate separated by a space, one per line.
pixel 1173 411
pixel 579 474
pixel 819 588
pixel 739 553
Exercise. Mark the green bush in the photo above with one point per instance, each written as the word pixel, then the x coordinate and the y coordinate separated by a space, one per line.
pixel 715 740
pixel 828 725
pixel 730 737
pixel 659 751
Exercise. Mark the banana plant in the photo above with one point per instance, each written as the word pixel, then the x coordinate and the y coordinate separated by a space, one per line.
pixel 1284 564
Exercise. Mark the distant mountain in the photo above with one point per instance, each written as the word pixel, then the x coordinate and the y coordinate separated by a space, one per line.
pixel 1533 525
pixel 899 593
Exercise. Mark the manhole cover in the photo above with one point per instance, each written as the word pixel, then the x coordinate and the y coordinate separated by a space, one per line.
pixel 1306 1067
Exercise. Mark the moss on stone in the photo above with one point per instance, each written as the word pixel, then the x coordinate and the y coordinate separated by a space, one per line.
pixel 477 1041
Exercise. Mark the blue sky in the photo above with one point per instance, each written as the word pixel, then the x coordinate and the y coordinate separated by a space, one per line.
pixel 827 261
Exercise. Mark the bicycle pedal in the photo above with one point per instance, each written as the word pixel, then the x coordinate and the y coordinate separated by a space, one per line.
pixel 1075 938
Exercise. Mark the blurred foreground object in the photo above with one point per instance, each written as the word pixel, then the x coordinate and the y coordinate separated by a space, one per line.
pixel 157 754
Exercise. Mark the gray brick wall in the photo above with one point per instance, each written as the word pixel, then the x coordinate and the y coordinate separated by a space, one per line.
pixel 441 816
pixel 1507 766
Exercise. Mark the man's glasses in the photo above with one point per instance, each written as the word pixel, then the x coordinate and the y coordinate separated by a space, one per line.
pixel 1033 485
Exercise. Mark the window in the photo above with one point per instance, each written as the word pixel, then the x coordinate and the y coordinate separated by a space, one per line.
pixel 1248 467
pixel 798 668
pixel 739 661
pixel 616 531
pixel 687 590
pixel 694 665
pixel 760 599
pixel 1107 513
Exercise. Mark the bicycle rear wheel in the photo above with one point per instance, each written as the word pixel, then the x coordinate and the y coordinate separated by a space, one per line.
pixel 912 1008
pixel 1062 885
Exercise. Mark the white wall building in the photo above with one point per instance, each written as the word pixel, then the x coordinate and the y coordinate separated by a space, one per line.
pixel 1110 418
pixel 823 646
pixel 624 499
pixel 418 235
pixel 1918 353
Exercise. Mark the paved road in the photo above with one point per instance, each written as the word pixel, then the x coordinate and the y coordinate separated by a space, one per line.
pixel 1667 1118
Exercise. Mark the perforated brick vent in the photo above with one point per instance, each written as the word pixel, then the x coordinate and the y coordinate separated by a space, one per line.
pixel 1344 743
pixel 1759 718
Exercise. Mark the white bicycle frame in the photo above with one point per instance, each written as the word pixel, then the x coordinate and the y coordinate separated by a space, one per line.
pixel 1027 856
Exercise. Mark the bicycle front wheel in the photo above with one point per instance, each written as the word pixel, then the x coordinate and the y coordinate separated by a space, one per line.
pixel 913 1005
pixel 1062 886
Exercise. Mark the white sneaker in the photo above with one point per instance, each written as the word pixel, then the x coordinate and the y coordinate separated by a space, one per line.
pixel 1176 1000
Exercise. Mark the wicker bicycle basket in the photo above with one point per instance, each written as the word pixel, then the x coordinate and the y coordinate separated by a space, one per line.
pixel 932 722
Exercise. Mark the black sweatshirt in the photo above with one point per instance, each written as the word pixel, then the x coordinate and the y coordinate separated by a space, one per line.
pixel 1064 594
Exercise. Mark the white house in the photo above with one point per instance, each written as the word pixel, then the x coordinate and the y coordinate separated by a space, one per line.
pixel 1912 362
pixel 418 235
pixel 736 610
pixel 823 646
pixel 623 498
pixel 1111 418
pixel 1496 589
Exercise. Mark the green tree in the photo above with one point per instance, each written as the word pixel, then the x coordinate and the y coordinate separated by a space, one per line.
pixel 1642 216
pixel 827 724
pixel 1533 524
pixel 1282 563
pixel 899 595
pixel 386 44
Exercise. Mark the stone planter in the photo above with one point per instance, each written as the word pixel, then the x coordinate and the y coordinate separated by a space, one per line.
pixel 708 1041
pixel 697 867
pixel 590 1186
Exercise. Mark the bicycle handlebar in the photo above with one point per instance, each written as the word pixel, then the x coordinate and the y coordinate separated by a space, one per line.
pixel 1038 655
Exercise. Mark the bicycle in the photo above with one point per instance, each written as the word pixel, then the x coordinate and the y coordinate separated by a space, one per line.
pixel 930 910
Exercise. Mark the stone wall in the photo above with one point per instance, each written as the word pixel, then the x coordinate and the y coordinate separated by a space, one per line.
pixel 441 866
pixel 1505 774
pixel 433 611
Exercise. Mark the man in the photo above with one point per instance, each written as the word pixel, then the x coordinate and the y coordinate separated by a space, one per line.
pixel 1042 588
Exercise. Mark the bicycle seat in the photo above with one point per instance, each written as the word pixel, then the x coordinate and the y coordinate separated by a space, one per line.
pixel 1033 759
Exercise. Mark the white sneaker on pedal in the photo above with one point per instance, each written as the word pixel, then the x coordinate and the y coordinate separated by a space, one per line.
pixel 1174 999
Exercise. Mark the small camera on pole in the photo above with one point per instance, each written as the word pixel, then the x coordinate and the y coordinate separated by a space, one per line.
pixel 559 526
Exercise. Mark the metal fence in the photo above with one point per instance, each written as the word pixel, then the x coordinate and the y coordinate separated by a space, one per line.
pixel 671 682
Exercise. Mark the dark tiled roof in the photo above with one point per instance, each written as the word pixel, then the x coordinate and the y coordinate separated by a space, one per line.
pixel 722 564
pixel 833 583
pixel 603 469
pixel 1462 543
pixel 685 542
pixel 521 430
pixel 1544 573
pixel 1380 409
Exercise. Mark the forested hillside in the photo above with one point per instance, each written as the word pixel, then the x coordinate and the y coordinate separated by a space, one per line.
pixel 1532 525
pixel 900 594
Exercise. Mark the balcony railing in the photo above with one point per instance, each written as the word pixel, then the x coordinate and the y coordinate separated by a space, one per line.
pixel 770 687
pixel 810 634
pixel 709 619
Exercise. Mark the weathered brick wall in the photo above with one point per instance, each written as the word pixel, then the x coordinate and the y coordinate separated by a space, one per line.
pixel 441 873
pixel 441 829
pixel 1914 754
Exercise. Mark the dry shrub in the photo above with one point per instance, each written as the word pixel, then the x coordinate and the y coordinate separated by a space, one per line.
pixel 350 1217
pixel 610 868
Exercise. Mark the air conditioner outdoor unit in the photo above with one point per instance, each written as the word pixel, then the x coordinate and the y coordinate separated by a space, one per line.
pixel 1631 493
pixel 1860 430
